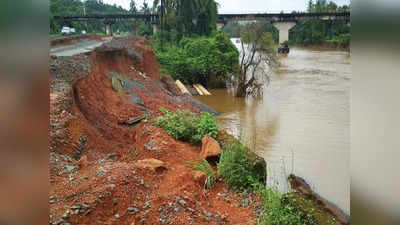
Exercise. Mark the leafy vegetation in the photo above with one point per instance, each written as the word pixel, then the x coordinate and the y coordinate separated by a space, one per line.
pixel 196 60
pixel 188 18
pixel 187 126
pixel 282 210
pixel 78 7
pixel 236 167
pixel 206 168
pixel 313 32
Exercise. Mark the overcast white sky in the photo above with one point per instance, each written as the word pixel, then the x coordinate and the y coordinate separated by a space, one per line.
pixel 243 6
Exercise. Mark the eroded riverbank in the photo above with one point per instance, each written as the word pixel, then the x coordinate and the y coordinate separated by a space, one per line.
pixel 302 124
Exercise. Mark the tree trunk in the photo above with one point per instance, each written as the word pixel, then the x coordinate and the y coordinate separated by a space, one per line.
pixel 241 89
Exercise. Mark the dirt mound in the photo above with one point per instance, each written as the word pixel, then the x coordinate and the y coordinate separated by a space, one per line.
pixel 94 151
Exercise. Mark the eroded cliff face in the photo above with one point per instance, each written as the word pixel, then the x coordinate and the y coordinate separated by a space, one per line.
pixel 109 164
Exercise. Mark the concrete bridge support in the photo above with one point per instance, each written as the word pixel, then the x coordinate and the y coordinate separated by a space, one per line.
pixel 155 28
pixel 283 28
pixel 220 26
pixel 109 29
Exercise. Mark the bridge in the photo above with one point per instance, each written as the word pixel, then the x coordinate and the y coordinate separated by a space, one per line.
pixel 282 21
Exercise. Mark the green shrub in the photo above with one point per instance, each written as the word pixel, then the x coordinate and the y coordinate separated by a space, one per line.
pixel 195 60
pixel 236 168
pixel 281 210
pixel 206 168
pixel 187 126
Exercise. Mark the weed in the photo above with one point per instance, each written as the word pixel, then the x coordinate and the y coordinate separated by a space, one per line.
pixel 281 210
pixel 206 168
pixel 187 126
pixel 236 167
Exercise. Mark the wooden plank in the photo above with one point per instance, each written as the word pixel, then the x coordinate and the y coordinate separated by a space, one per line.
pixel 198 89
pixel 181 87
pixel 203 89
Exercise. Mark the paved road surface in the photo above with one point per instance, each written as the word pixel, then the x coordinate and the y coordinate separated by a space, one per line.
pixel 82 46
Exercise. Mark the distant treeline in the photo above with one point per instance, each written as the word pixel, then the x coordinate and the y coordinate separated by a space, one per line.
pixel 77 7
pixel 310 32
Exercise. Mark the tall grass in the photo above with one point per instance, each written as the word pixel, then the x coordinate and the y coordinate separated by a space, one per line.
pixel 206 168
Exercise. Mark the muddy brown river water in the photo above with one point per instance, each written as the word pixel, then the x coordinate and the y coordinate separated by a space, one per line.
pixel 302 125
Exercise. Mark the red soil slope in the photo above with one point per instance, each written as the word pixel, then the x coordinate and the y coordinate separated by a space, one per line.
pixel 94 178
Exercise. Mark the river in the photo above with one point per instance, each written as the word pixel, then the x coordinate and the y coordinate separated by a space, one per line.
pixel 302 124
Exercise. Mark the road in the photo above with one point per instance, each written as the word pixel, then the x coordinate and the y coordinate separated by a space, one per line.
pixel 81 46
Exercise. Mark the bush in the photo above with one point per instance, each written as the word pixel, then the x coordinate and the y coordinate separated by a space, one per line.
pixel 195 60
pixel 187 126
pixel 236 168
pixel 281 210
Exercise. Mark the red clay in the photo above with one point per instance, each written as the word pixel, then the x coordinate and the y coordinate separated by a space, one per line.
pixel 88 119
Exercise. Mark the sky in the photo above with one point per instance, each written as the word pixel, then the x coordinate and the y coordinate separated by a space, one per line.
pixel 248 6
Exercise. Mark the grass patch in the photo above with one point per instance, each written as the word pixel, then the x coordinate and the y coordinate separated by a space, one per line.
pixel 206 168
pixel 236 167
pixel 282 210
pixel 187 126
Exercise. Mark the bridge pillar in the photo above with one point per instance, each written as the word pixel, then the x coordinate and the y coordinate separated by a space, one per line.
pixel 220 26
pixel 155 28
pixel 109 29
pixel 283 28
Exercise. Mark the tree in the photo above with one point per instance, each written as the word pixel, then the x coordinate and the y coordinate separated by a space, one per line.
pixel 189 17
pixel 145 8
pixel 257 52
pixel 133 8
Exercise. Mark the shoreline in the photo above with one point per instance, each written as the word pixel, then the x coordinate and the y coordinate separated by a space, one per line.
pixel 321 47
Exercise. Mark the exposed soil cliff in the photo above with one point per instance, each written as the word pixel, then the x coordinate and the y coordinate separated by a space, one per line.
pixel 100 107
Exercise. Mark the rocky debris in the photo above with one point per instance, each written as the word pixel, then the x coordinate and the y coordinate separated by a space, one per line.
pixel 199 176
pixel 66 70
pixel 80 146
pixel 198 104
pixel 101 171
pixel 209 147
pixel 122 45
pixel 169 84
pixel 301 186
pixel 135 120
pixel 122 84
pixel 133 210
pixel 151 146
pixel 151 164
pixel 135 98
pixel 70 169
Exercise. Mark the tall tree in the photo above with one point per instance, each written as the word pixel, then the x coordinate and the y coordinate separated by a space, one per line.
pixel 133 8
pixel 145 8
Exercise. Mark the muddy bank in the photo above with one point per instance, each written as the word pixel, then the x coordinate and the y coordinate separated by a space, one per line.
pixel 301 187
pixel 323 47
pixel 109 164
